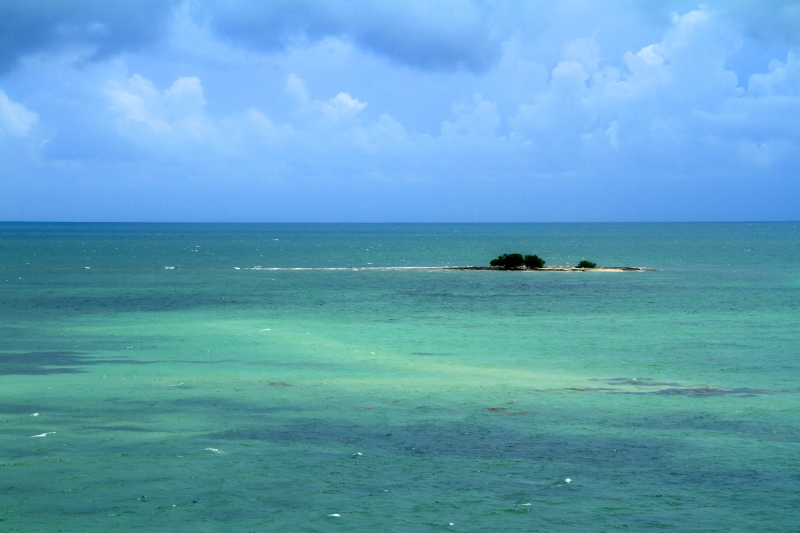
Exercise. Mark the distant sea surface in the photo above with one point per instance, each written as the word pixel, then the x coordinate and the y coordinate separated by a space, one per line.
pixel 152 379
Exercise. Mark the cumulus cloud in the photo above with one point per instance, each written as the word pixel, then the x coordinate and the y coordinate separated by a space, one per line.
pixel 15 119
pixel 342 105
pixel 477 118
pixel 106 28
pixel 783 78
pixel 341 125
pixel 340 108
pixel 250 136
pixel 447 34
pixel 659 104
pixel 146 115
pixel 176 118
pixel 297 88
pixel 763 122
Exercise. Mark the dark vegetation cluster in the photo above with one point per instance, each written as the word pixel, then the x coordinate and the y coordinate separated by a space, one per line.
pixel 531 262
pixel 516 261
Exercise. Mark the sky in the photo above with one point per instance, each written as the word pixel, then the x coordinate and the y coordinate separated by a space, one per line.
pixel 399 111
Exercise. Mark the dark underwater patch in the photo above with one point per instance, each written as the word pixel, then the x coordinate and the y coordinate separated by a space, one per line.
pixel 472 441
pixel 41 363
pixel 63 362
pixel 665 388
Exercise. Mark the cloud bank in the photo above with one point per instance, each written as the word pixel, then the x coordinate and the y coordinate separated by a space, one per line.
pixel 433 35
pixel 456 110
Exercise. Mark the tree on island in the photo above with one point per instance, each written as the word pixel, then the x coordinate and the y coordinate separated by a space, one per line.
pixel 534 261
pixel 508 261
pixel 515 261
pixel 586 264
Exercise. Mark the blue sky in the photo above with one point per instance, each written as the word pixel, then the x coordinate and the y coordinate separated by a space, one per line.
pixel 392 111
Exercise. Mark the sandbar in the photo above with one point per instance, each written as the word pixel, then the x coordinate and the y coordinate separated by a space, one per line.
pixel 556 269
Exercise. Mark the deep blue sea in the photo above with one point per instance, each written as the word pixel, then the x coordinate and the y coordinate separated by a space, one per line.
pixel 204 377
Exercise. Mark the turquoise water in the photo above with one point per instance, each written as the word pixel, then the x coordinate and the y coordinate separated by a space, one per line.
pixel 350 395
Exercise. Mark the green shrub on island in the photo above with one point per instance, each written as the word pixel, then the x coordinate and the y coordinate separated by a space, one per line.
pixel 534 261
pixel 516 261
pixel 508 261
pixel 586 264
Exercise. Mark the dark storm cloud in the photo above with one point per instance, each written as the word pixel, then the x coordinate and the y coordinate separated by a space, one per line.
pixel 430 35
pixel 31 26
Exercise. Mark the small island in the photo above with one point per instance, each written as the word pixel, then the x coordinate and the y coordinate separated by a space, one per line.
pixel 520 263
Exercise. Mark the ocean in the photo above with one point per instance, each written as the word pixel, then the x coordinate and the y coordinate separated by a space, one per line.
pixel 260 377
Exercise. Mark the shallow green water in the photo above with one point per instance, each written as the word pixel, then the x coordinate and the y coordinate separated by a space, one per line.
pixel 210 398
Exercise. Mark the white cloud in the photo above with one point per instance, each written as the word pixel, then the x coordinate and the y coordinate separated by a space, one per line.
pixel 584 51
pixel 687 68
pixel 338 124
pixel 384 136
pixel 138 102
pixel 762 124
pixel 15 119
pixel 474 119
pixel 148 116
pixel 252 132
pixel 559 115
pixel 185 97
pixel 176 119
pixel 342 105
pixel 297 88
pixel 783 78
pixel 661 103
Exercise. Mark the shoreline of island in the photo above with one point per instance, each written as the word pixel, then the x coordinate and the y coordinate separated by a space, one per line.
pixel 489 268
pixel 565 268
